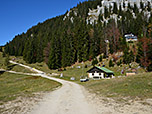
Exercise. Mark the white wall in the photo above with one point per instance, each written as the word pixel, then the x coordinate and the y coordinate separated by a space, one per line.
pixel 96 75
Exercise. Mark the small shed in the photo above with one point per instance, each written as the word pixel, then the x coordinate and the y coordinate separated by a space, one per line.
pixel 99 73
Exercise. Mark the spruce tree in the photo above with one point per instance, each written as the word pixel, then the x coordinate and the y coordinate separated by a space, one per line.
pixel 149 7
pixel 94 62
pixel 29 54
pixel 115 9
pixel 100 58
pixel 54 61
pixel 0 49
pixel 126 56
pixel 6 62
pixel 106 13
pixel 131 56
pixel 111 63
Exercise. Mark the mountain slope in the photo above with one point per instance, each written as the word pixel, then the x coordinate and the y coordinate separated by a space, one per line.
pixel 80 34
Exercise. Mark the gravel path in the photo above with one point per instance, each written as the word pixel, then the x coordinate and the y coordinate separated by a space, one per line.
pixel 69 99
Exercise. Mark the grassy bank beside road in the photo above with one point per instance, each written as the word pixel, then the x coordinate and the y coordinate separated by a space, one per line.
pixel 137 86
pixel 15 85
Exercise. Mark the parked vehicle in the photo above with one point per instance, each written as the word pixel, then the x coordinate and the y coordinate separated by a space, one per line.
pixel 84 80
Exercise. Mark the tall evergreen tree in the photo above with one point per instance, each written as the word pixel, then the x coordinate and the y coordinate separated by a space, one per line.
pixel 6 62
pixel 115 9
pixel 126 58
pixel 54 61
pixel 111 63
pixel 0 49
pixel 29 54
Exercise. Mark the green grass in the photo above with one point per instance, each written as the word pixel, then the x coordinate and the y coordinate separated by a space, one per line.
pixel 2 59
pixel 13 67
pixel 75 71
pixel 137 86
pixel 18 68
pixel 14 85
pixel 40 66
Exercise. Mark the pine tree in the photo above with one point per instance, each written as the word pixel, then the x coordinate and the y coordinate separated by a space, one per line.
pixel 141 6
pixel 54 61
pixel 94 62
pixel 67 50
pixel 149 7
pixel 126 56
pixel 120 12
pixel 6 62
pixel 29 54
pixel 131 56
pixel 135 9
pixel 115 9
pixel 111 63
pixel 100 58
pixel 46 52
pixel 106 13
pixel 0 49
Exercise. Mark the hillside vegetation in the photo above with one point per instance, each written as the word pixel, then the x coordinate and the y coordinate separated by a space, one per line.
pixel 12 67
pixel 66 39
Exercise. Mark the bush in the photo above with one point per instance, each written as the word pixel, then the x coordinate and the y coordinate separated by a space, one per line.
pixel 64 69
pixel 149 67
pixel 85 66
pixel 104 56
pixel 119 63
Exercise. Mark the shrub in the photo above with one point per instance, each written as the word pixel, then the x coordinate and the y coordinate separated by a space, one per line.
pixel 85 66
pixel 111 63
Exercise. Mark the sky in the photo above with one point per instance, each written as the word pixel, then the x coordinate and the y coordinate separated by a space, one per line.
pixel 17 16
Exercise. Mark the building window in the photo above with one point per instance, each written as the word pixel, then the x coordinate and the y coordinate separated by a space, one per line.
pixel 99 73
pixel 92 74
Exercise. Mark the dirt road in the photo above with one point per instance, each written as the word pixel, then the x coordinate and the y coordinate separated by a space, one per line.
pixel 69 99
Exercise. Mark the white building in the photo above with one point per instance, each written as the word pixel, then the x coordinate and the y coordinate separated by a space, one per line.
pixel 99 73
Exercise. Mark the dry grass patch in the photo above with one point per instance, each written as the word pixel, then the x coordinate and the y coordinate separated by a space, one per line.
pixel 15 85
pixel 138 86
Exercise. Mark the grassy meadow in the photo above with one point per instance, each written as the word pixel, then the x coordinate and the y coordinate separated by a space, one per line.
pixel 137 86
pixel 13 67
pixel 18 68
pixel 2 59
pixel 15 85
